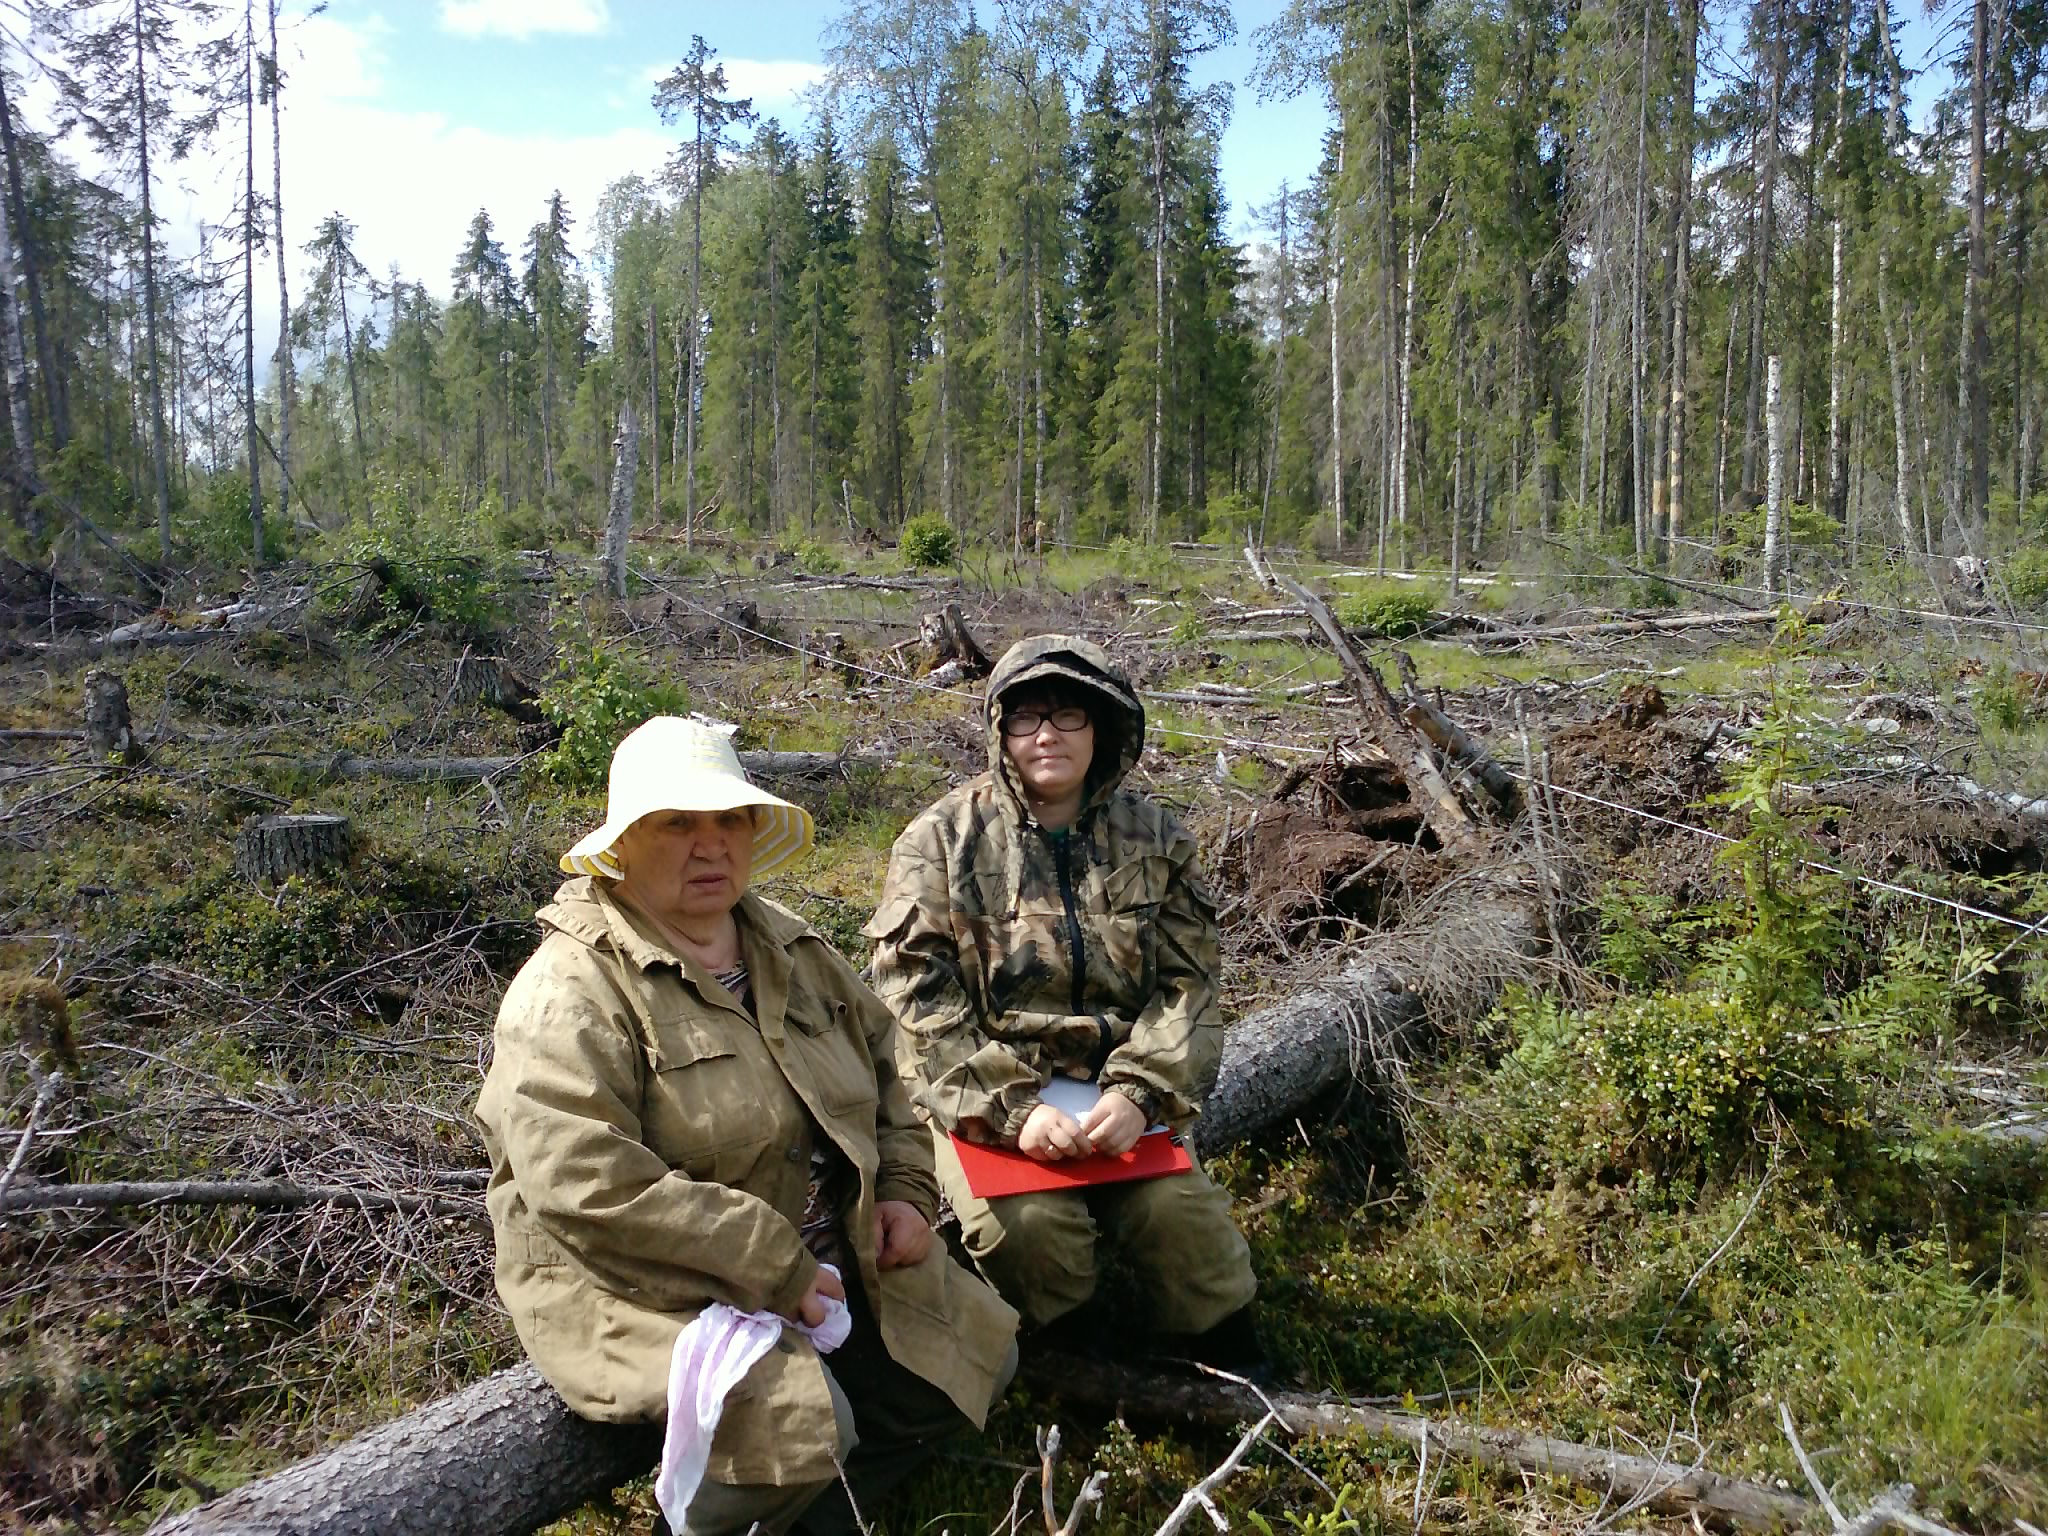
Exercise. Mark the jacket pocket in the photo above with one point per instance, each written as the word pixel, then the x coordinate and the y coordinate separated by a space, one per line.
pixel 891 917
pixel 1140 884
pixel 835 1051
pixel 702 1102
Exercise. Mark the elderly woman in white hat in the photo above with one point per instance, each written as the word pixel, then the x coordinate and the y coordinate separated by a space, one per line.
pixel 694 1100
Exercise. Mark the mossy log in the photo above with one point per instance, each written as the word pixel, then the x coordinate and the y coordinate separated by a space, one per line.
pixel 506 1457
pixel 275 847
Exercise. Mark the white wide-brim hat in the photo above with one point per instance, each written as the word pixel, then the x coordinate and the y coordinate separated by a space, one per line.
pixel 672 764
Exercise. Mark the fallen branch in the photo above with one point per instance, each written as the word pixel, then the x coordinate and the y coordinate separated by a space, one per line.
pixel 1201 1495
pixel 260 1196
pixel 1091 1490
pixel 1658 1484
pixel 46 1091
pixel 424 770
pixel 1440 806
pixel 1452 740
pixel 1819 612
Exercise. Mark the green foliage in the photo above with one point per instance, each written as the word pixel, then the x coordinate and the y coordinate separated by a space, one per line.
pixel 927 542
pixel 1393 610
pixel 216 523
pixel 596 697
pixel 1799 523
pixel 429 564
pixel 2005 701
pixel 2025 574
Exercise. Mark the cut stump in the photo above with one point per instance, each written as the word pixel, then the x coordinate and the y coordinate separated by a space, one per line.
pixel 273 847
pixel 108 734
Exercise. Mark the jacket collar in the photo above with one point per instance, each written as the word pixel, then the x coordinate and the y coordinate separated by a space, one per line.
pixel 588 911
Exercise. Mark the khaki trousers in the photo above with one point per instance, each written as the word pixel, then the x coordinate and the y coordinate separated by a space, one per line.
pixel 1039 1250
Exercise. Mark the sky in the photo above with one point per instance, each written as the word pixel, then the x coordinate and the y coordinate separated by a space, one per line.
pixel 407 116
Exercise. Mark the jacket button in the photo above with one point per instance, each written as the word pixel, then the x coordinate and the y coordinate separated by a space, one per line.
pixel 795 1154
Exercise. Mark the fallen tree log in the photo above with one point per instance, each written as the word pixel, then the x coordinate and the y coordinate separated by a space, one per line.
pixel 505 1457
pixel 259 1195
pixel 1820 612
pixel 1666 1486
pixel 427 770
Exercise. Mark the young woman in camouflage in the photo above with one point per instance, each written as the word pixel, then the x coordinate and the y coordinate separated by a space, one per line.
pixel 1044 919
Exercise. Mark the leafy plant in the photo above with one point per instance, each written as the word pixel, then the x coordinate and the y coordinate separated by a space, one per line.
pixel 2026 577
pixel 1394 609
pixel 596 697
pixel 428 564
pixel 928 542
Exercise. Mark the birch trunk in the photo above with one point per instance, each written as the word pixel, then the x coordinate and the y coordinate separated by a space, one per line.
pixel 1638 345
pixel 18 416
pixel 1765 233
pixel 1774 555
pixel 249 277
pixel 55 395
pixel 1974 423
pixel 654 414
pixel 1902 491
pixel 1838 437
pixel 1335 265
pixel 618 525
pixel 1407 309
pixel 688 405
pixel 284 291
pixel 1681 266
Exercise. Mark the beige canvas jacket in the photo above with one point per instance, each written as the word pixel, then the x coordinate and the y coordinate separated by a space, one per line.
pixel 651 1146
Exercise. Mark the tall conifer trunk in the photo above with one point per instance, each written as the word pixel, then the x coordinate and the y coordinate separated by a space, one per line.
pixel 249 278
pixel 56 395
pixel 1766 221
pixel 1838 290
pixel 160 468
pixel 19 419
pixel 1681 267
pixel 284 293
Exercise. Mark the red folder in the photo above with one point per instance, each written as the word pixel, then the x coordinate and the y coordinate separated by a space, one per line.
pixel 996 1171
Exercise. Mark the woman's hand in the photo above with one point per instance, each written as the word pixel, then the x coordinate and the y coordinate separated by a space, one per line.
pixel 902 1236
pixel 811 1310
pixel 1114 1124
pixel 1051 1134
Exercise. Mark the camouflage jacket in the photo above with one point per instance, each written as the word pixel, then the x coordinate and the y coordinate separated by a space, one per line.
pixel 1008 953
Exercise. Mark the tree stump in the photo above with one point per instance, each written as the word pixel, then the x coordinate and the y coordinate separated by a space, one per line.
pixel 487 680
pixel 272 847
pixel 108 735
pixel 948 639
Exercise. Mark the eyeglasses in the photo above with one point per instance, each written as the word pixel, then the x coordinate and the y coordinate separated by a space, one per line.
pixel 1025 722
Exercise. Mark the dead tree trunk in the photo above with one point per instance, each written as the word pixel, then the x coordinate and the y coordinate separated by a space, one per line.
pixel 108 734
pixel 274 847
pixel 618 525
pixel 504 1456
pixel 951 642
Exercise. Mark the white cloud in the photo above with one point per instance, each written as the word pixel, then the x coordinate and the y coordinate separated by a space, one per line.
pixel 774 85
pixel 521 19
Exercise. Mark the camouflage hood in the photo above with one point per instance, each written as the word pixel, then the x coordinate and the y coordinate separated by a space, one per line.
pixel 1119 717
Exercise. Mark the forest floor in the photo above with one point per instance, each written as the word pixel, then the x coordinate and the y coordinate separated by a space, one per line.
pixel 1770 1137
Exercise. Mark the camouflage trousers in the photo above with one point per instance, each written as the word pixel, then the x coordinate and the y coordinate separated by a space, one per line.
pixel 1040 1250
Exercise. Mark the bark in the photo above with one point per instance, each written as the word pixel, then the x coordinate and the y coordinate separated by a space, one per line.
pixel 265 1196
pixel 274 847
pixel 1407 387
pixel 249 278
pixel 430 770
pixel 1675 624
pixel 503 1456
pixel 1438 803
pixel 618 527
pixel 56 395
pixel 109 736
pixel 1774 501
pixel 1975 422
pixel 160 467
pixel 949 639
pixel 1449 738
pixel 1666 1486
pixel 1638 325
pixel 1838 292
pixel 19 419
pixel 1335 263
pixel 355 391
pixel 284 292
pixel 1901 438
pixel 1765 225
pixel 1681 296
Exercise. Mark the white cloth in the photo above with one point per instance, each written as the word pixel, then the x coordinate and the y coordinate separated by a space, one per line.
pixel 712 1356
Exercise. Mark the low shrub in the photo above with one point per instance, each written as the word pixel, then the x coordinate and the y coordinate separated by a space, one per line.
pixel 2026 577
pixel 1393 610
pixel 596 698
pixel 928 542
